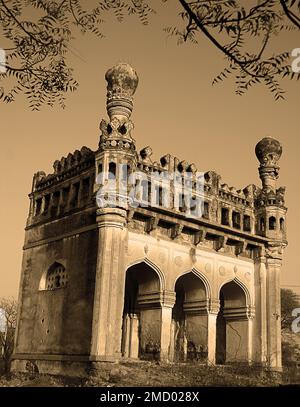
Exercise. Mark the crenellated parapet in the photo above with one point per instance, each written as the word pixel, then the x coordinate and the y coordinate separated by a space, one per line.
pixel 67 189
pixel 65 168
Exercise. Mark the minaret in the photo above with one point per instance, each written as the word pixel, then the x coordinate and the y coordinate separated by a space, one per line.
pixel 268 152
pixel 270 209
pixel 115 159
pixel 270 216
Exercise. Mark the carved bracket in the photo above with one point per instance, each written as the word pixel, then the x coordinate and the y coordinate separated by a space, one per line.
pixel 274 252
pixel 130 214
pixel 199 237
pixel 151 224
pixel 221 242
pixel 176 231
pixel 240 247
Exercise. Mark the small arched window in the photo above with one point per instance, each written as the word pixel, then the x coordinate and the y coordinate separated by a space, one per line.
pixel 57 277
pixel 225 216
pixel 112 170
pixel 236 220
pixel 272 223
pixel 205 214
pixel 247 223
pixel 282 224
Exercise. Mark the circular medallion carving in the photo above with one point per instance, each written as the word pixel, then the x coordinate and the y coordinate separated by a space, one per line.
pixel 248 276
pixel 178 261
pixel 208 267
pixel 222 271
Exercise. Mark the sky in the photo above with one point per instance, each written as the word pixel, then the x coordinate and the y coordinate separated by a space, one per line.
pixel 176 111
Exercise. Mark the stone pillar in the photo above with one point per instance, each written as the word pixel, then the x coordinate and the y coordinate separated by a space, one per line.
pixel 212 331
pixel 165 333
pixel 126 336
pixel 273 265
pixel 130 345
pixel 167 329
pixel 134 336
pixel 172 341
pixel 260 323
pixel 109 286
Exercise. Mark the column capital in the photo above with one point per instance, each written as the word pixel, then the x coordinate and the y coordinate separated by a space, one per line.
pixel 168 298
pixel 214 306
pixel 165 298
pixel 115 217
pixel 274 252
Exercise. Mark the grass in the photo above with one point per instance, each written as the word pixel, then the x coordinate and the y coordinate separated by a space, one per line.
pixel 153 374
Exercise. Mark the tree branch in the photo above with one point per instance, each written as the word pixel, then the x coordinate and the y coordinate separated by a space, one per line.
pixel 290 15
pixel 31 35
pixel 232 57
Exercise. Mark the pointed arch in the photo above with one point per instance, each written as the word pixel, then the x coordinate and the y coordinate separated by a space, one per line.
pixel 201 276
pixel 245 289
pixel 149 263
pixel 142 317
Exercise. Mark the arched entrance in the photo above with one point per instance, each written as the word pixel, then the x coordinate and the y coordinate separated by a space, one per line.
pixel 189 319
pixel 141 330
pixel 233 326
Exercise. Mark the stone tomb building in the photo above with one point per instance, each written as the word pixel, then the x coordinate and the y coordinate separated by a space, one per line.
pixel 109 275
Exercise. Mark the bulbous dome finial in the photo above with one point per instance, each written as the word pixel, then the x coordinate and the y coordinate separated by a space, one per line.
pixel 122 81
pixel 268 151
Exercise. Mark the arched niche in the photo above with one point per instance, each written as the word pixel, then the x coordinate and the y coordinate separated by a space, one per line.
pixel 56 276
pixel 141 331
pixel 189 318
pixel 233 330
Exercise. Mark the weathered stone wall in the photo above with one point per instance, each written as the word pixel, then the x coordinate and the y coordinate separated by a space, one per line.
pixel 58 321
